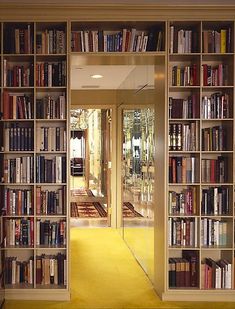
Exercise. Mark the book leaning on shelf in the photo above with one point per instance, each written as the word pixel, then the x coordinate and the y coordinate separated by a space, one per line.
pixel 216 275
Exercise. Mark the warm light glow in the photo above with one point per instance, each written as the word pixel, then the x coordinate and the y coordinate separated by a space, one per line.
pixel 96 76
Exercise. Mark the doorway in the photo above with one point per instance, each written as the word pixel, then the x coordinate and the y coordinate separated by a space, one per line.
pixel 90 167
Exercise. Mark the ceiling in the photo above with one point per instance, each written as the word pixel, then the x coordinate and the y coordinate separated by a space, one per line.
pixel 114 77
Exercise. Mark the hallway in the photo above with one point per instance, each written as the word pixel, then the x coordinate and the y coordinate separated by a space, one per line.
pixel 104 274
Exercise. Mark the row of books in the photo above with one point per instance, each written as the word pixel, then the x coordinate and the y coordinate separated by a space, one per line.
pixel 217 106
pixel 184 271
pixel 51 269
pixel 17 106
pixel 18 75
pixel 51 41
pixel 216 274
pixel 51 170
pixel 183 203
pixel 214 170
pixel 18 138
pixel 50 202
pixel 19 232
pixel 183 41
pixel 186 108
pixel 51 74
pixel 127 40
pixel 217 41
pixel 18 202
pixel 185 76
pixel 51 139
pixel 213 232
pixel 17 272
pixel 18 40
pixel 215 201
pixel 19 170
pixel 183 137
pixel 214 139
pixel 215 75
pixel 183 169
pixel 51 234
pixel 51 107
pixel 182 232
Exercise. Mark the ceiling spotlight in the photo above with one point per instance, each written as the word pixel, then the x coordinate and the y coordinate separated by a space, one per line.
pixel 96 76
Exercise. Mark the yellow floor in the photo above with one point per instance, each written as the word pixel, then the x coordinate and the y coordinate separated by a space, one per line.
pixel 105 275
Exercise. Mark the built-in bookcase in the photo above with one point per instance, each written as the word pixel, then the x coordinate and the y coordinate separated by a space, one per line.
pixel 200 157
pixel 34 157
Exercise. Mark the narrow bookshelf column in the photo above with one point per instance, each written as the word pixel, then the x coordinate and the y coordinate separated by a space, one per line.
pixel 51 247
pixel 201 156
pixel 34 156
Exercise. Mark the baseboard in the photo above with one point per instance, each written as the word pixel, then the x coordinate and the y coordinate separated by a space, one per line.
pixel 206 295
pixel 37 294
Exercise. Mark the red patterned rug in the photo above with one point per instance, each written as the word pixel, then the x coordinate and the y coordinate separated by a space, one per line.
pixel 128 211
pixel 81 191
pixel 87 210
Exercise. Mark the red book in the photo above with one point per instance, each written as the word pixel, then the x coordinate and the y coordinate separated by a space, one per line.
pixel 205 75
pixel 38 200
pixel 6 104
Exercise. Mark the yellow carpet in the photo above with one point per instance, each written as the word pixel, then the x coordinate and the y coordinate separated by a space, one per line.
pixel 106 275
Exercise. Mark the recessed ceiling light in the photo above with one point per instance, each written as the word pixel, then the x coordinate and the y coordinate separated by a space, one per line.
pixel 96 76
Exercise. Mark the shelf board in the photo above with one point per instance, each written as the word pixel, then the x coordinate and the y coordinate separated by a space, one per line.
pixel 184 151
pixel 183 248
pixel 217 216
pixel 18 88
pixel 184 87
pixel 17 55
pixel 50 286
pixel 50 216
pixel 49 55
pixel 217 54
pixel 185 54
pixel 51 152
pixel 217 119
pixel 117 53
pixel 216 151
pixel 183 216
pixel 18 216
pixel 184 184
pixel 42 247
pixel 216 87
pixel 48 88
pixel 216 248
pixel 18 286
pixel 18 248
pixel 183 119
pixel 50 120
pixel 16 184
pixel 17 120
pixel 18 151
pixel 216 184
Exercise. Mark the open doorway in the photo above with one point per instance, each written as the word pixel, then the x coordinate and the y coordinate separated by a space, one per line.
pixel 90 166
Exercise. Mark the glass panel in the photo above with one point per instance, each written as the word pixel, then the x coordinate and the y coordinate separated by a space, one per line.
pixel 138 183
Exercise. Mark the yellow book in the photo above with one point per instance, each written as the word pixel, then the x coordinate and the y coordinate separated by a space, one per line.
pixel 178 77
pixel 223 41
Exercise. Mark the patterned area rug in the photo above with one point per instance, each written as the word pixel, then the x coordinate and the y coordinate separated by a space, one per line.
pixel 128 211
pixel 81 191
pixel 87 210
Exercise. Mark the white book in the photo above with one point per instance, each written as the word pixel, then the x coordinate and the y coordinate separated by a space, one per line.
pixel 171 39
pixel 30 271
pixel 55 271
pixel 6 139
pixel 58 169
pixel 65 272
pixel 169 232
pixel 13 277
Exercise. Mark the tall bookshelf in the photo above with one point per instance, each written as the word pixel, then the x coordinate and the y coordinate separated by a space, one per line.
pixel 34 148
pixel 200 198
